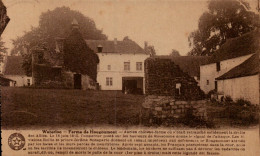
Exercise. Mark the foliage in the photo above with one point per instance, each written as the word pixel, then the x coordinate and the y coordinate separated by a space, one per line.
pixel 242 112
pixel 223 20
pixel 193 121
pixel 175 53
pixel 54 24
pixel 78 57
pixel 3 50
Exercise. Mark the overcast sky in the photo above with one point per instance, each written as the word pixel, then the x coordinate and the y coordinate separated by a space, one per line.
pixel 165 24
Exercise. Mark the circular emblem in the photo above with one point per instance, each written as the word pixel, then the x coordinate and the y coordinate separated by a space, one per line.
pixel 16 141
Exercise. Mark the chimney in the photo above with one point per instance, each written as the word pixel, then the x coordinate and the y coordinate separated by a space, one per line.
pixel 145 45
pixel 99 48
pixel 75 24
pixel 115 41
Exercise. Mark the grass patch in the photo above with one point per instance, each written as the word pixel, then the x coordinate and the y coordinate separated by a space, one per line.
pixel 50 107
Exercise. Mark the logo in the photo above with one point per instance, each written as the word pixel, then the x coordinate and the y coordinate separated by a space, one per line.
pixel 16 141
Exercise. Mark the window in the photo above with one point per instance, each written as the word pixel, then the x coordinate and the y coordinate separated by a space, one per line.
pixel 139 66
pixel 218 66
pixel 126 66
pixel 108 67
pixel 207 82
pixel 178 89
pixel 28 82
pixel 216 85
pixel 109 81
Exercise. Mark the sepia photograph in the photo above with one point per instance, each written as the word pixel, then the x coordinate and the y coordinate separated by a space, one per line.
pixel 77 68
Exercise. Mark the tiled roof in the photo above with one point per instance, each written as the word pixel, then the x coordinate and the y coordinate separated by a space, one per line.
pixel 188 64
pixel 236 47
pixel 14 66
pixel 123 47
pixel 247 68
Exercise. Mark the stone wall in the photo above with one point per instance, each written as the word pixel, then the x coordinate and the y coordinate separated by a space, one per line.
pixel 166 107
pixel 163 77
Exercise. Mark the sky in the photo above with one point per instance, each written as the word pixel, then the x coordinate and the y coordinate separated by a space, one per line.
pixel 165 24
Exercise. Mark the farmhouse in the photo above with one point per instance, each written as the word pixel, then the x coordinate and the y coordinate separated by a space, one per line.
pixel 121 65
pixel 13 70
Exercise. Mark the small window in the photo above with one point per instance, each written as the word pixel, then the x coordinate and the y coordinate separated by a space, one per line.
pixel 108 67
pixel 28 82
pixel 218 66
pixel 139 66
pixel 216 85
pixel 207 82
pixel 126 66
pixel 178 89
pixel 109 81
pixel 40 58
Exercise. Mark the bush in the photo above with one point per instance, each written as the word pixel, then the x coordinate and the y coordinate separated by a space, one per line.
pixel 242 112
pixel 194 121
pixel 228 99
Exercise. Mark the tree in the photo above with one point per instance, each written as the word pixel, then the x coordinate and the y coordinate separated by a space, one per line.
pixel 3 50
pixel 53 24
pixel 4 19
pixel 175 53
pixel 224 19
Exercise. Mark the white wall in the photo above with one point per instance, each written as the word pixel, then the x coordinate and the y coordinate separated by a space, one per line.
pixel 209 71
pixel 21 80
pixel 241 88
pixel 116 61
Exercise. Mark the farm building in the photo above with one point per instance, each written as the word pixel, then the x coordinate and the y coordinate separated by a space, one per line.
pixel 240 82
pixel 231 54
pixel 231 66
pixel 13 70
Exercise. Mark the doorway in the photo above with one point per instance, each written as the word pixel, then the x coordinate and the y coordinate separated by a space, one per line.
pixel 77 81
pixel 132 85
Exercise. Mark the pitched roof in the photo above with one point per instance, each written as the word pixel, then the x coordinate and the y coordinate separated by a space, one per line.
pixel 5 79
pixel 188 64
pixel 123 47
pixel 236 47
pixel 247 68
pixel 14 66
